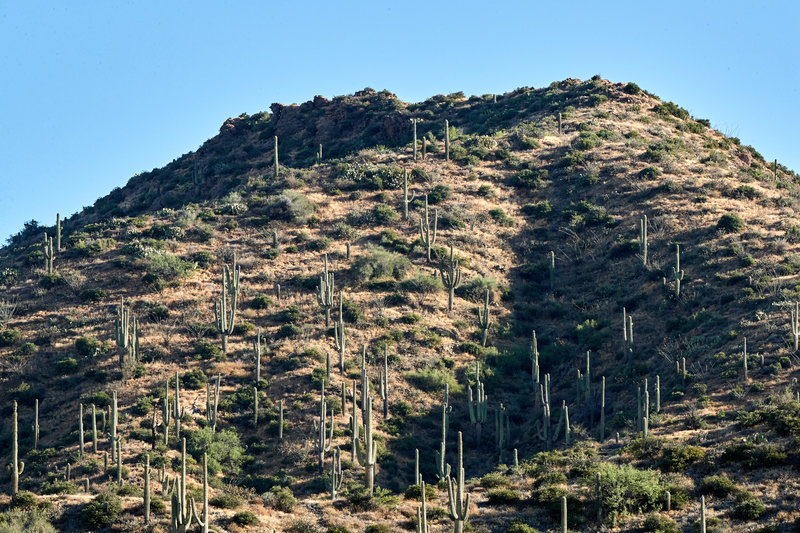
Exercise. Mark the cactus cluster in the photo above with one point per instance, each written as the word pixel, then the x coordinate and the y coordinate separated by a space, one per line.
pixel 325 293
pixel 126 334
pixel 225 307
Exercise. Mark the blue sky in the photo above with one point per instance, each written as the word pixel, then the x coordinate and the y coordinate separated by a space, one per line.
pixel 94 92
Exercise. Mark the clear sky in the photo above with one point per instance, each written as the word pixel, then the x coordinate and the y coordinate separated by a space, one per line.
pixel 92 92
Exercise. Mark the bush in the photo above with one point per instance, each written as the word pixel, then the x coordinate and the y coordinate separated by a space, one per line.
pixel 10 337
pixel 380 263
pixel 24 500
pixel 207 350
pixel 377 528
pixel 678 458
pixel 474 289
pixel 414 492
pixel 86 346
pixel 749 509
pixel 291 206
pixel 66 366
pixel 730 223
pixel 102 511
pixel 93 295
pixel 520 527
pixel 245 518
pixel 504 496
pixel 194 379
pixel 656 523
pixel 261 301
pixel 538 210
pixel 625 490
pixel 385 214
pixel 432 380
pixel 717 486
pixel 439 194
pixel 494 480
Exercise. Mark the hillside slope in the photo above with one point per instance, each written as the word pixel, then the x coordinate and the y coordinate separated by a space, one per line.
pixel 542 195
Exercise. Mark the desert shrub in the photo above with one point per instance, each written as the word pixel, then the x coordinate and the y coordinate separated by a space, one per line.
pixel 194 379
pixel 657 523
pixel 207 350
pixel 261 301
pixel 167 266
pixel 245 518
pixel 414 492
pixel 625 490
pixel 433 380
pixel 66 366
pixel 423 285
pixel 667 109
pixel 93 295
pixel 99 399
pixel 287 331
pixel 102 511
pixel 385 214
pixel 86 346
pixel 26 520
pixel 717 486
pixel 538 210
pixel 9 337
pixel 223 447
pixel 24 500
pixel 380 263
pixel 503 496
pixel 530 179
pixel 749 509
pixel 474 289
pixel 290 205
pixel 520 527
pixel 679 457
pixel 377 528
pixel 494 480
pixel 730 223
pixel 439 194
pixel 650 173
pixel 499 215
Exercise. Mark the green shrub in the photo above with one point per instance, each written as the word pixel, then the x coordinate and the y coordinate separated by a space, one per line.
pixel 24 500
pixel 730 223
pixel 28 521
pixel 100 399
pixel 380 263
pixel 679 457
pixel 717 486
pixel 86 346
pixel 385 214
pixel 625 490
pixel 749 509
pixel 439 194
pixel 474 289
pixel 66 366
pixel 261 301
pixel 93 295
pixel 657 523
pixel 288 331
pixel 226 500
pixel 102 511
pixel 377 528
pixel 650 173
pixel 503 496
pixel 245 518
pixel 538 210
pixel 432 380
pixel 290 205
pixel 494 480
pixel 530 179
pixel 9 337
pixel 520 527
pixel 414 492
pixel 194 379
pixel 207 350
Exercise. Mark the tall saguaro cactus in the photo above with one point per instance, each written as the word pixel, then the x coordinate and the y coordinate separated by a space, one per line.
pixel 427 233
pixel 459 503
pixel 126 334
pixel 58 232
pixel 36 426
pixel 451 277
pixel 422 513
pixel 643 239
pixel 325 293
pixel 16 467
pixel 478 405
pixel 484 321
pixel 48 253
pixel 340 336
pixel 677 273
pixel 203 523
pixel 796 325
pixel 368 454
pixel 535 362
pixel 334 483
pixel 414 122
pixel 322 443
pixel 225 308
pixel 407 199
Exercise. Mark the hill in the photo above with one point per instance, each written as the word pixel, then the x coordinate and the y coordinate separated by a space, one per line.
pixel 621 335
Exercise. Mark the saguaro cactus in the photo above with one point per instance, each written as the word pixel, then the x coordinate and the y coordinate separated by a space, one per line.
pixel 447 140
pixel 340 337
pixel 203 523
pixel 225 308
pixel 478 407
pixel 677 273
pixel 257 354
pixel 744 360
pixel 795 318
pixel 702 514
pixel 147 488
pixel 16 467
pixel 422 513
pixel 427 234
pixel 94 428
pixel 368 454
pixel 325 293
pixel 414 122
pixel 80 428
pixel 48 253
pixel 484 321
pixel 459 503
pixel 322 443
pixel 535 362
pixel 406 198
pixel 36 426
pixel 552 271
pixel 563 514
pixel 643 239
pixel 602 409
pixel 126 334
pixel 442 468
pixel 451 277
pixel 334 483
pixel 58 232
